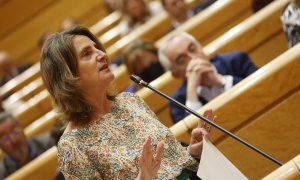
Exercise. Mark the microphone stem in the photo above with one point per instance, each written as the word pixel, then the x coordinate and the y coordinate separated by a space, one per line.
pixel 213 124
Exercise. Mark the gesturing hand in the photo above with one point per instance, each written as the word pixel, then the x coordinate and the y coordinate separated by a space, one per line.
pixel 203 130
pixel 148 162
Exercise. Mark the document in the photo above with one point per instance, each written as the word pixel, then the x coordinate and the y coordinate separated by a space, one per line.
pixel 215 166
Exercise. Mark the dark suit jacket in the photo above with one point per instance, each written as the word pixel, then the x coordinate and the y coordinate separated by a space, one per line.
pixel 236 64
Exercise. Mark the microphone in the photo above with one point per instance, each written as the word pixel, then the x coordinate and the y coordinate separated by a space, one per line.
pixel 140 81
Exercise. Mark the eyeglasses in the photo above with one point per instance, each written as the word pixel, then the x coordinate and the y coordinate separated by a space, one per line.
pixel 7 137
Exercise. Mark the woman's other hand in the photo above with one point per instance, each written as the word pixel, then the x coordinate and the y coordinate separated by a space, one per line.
pixel 203 130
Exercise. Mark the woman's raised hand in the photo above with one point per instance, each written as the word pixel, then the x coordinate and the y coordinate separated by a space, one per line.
pixel 150 163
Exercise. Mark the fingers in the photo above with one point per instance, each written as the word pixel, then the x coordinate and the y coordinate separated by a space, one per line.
pixel 206 114
pixel 159 151
pixel 147 147
pixel 147 152
pixel 209 115
pixel 198 65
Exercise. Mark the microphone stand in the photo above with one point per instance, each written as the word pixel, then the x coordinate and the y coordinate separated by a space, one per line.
pixel 145 84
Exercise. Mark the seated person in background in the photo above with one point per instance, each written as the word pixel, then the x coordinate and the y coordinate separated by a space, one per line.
pixel 179 11
pixel 68 24
pixel 141 59
pixel 109 135
pixel 136 13
pixel 7 68
pixel 203 78
pixel 18 150
pixel 290 19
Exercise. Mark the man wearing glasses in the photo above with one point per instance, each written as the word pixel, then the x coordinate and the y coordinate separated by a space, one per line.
pixel 17 148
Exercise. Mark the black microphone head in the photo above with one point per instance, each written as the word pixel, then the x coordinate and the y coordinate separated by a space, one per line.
pixel 138 80
pixel 135 78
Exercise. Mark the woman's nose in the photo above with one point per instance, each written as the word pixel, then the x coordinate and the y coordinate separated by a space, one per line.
pixel 101 56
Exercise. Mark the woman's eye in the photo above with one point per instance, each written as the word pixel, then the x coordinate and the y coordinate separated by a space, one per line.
pixel 180 60
pixel 192 48
pixel 86 53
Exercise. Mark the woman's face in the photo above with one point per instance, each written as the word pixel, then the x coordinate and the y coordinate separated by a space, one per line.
pixel 92 63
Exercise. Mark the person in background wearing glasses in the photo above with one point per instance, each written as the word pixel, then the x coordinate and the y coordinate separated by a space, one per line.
pixel 203 78
pixel 17 148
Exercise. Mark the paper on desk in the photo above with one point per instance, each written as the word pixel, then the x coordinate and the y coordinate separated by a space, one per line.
pixel 215 166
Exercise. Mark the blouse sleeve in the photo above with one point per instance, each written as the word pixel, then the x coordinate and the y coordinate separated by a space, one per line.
pixel 74 164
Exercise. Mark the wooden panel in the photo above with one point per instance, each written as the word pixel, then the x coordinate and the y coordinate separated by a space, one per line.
pixel 42 124
pixel 19 12
pixel 254 94
pixel 21 42
pixel 206 21
pixel 110 37
pixel 259 28
pixel 290 170
pixel 240 34
pixel 25 93
pixel 270 49
pixel 106 23
pixel 275 132
pixel 43 167
pixel 147 31
pixel 34 108
pixel 20 81
pixel 207 25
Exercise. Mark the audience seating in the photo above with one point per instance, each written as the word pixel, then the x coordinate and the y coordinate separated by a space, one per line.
pixel 290 170
pixel 24 94
pixel 232 12
pixel 9 24
pixel 42 124
pixel 106 23
pixel 47 20
pixel 45 166
pixel 263 110
pixel 147 31
pixel 33 108
pixel 241 41
pixel 235 107
pixel 20 81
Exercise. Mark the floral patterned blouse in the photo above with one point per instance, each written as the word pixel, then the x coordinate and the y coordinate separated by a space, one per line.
pixel 109 147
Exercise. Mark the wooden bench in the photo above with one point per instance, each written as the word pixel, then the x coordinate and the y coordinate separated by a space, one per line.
pixel 48 19
pixel 20 81
pixel 241 41
pixel 106 23
pixel 24 94
pixel 33 108
pixel 210 24
pixel 21 14
pixel 263 110
pixel 290 170
pixel 42 124
pixel 162 109
pixel 44 166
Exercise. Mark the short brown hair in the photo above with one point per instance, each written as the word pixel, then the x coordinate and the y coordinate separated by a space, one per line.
pixel 59 71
